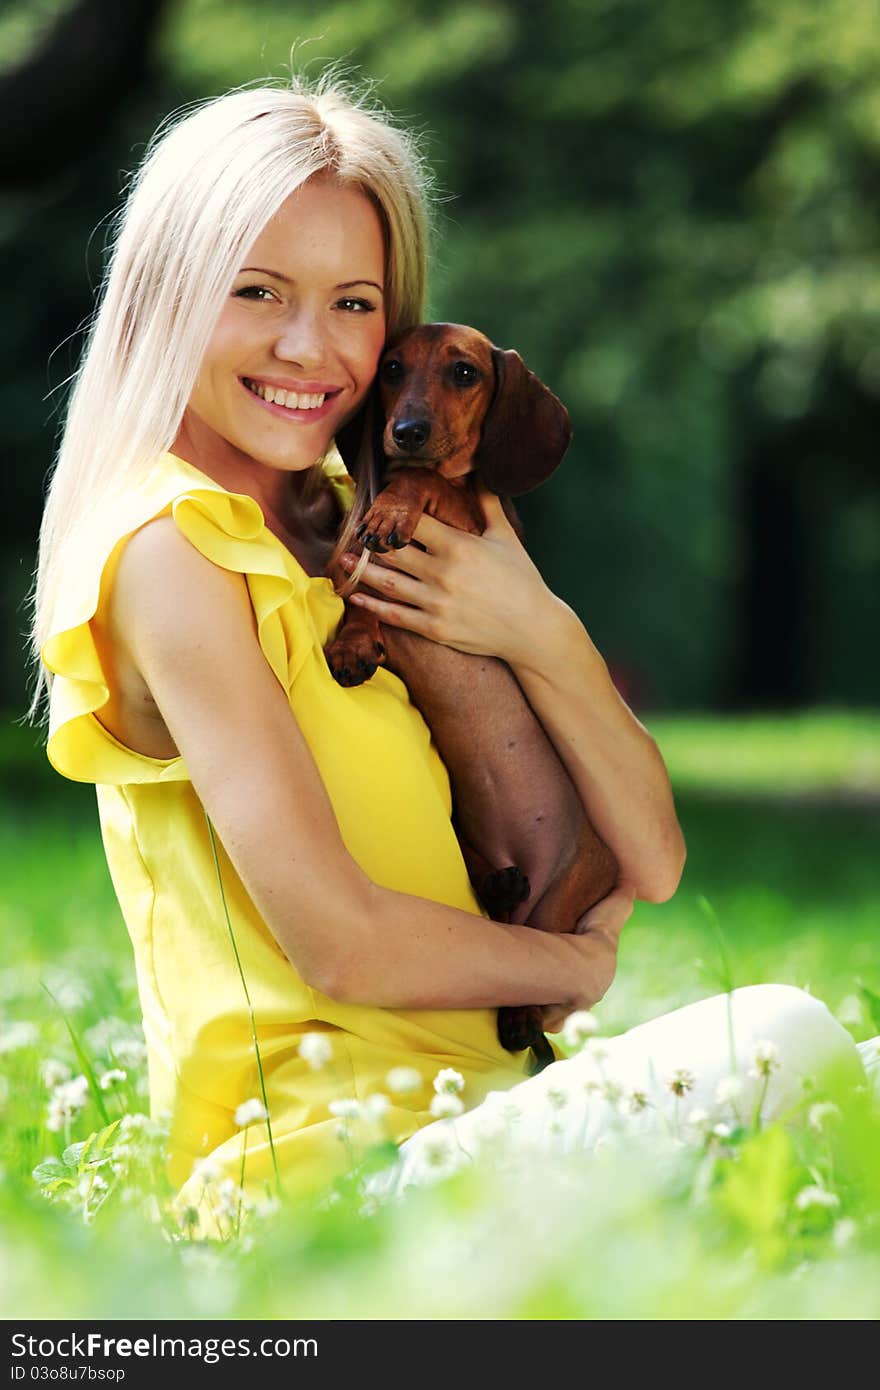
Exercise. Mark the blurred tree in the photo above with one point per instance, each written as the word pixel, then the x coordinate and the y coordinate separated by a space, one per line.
pixel 65 92
pixel 672 211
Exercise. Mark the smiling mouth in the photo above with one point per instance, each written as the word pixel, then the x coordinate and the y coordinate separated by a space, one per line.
pixel 288 400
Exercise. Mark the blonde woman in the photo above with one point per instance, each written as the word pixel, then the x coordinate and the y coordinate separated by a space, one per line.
pixel 281 846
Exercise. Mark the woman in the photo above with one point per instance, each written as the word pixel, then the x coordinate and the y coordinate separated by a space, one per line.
pixel 282 876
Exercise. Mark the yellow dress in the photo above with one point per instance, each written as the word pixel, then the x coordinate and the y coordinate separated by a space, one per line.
pixel 391 795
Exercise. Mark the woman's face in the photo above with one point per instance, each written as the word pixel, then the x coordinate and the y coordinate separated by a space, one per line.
pixel 305 315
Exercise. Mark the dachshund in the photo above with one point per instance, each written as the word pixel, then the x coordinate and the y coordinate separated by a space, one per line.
pixel 448 406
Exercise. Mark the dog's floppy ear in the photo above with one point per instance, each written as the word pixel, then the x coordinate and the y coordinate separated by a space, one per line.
pixel 526 430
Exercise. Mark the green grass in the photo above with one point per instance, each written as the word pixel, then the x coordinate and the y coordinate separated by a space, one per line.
pixel 786 856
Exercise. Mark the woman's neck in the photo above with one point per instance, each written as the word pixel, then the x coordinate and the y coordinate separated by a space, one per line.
pixel 306 522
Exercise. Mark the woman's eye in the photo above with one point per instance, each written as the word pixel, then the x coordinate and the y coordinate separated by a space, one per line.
pixel 464 373
pixel 359 305
pixel 249 290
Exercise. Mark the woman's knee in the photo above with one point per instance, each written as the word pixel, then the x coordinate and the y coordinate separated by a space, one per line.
pixel 807 1037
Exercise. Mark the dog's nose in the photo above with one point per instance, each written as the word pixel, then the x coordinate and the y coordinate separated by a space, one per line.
pixel 411 434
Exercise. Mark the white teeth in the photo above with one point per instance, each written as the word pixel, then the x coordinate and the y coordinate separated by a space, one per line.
pixel 290 399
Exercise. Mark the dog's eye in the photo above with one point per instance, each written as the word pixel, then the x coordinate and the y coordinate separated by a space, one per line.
pixel 392 370
pixel 464 374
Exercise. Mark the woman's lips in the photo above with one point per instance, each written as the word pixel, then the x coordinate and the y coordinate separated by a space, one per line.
pixel 317 413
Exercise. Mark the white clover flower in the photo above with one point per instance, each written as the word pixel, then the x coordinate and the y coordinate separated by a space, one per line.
pixel 634 1101
pixel 402 1081
pixel 729 1090
pixel 113 1077
pixel 135 1124
pixel 821 1113
pixel 557 1097
pixel 445 1106
pixel 595 1049
pixel 437 1151
pixel 66 1101
pixel 250 1112
pixel 815 1197
pixel 448 1082
pixel 18 1035
pixel 228 1197
pixel 681 1081
pixel 316 1049
pixel 53 1072
pixel 207 1170
pixel 346 1109
pixel 69 992
pixel 765 1058
pixel 843 1233
pixel 612 1090
pixel 129 1052
pixel 376 1106
pixel 578 1027
pixel 722 1131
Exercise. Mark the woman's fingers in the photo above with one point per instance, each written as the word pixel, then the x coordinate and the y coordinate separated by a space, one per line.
pixel 493 511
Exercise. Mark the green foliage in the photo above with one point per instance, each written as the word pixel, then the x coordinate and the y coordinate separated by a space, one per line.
pixel 671 211
pixel 754 1193
pixel 755 1222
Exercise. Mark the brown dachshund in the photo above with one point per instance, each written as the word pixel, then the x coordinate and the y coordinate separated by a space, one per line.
pixel 447 406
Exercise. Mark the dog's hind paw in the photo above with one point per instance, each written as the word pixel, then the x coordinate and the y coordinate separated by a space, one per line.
pixel 520 1027
pixel 504 890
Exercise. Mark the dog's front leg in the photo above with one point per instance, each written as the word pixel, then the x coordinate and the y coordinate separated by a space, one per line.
pixel 394 515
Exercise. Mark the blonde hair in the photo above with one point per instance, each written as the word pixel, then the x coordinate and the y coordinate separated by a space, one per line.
pixel 210 180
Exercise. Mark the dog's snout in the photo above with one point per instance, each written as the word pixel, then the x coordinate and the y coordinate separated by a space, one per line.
pixel 411 434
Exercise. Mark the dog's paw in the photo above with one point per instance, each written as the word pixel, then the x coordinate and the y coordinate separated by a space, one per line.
pixel 504 890
pixel 520 1027
pixel 388 524
pixel 353 657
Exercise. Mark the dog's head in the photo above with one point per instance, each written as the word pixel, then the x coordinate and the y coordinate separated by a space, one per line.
pixel 445 397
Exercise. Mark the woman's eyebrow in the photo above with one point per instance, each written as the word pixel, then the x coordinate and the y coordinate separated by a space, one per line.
pixel 276 275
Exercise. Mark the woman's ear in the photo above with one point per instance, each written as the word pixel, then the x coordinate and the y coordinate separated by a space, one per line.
pixel 526 430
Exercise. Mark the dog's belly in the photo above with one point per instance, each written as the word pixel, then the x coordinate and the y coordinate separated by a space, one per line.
pixel 514 802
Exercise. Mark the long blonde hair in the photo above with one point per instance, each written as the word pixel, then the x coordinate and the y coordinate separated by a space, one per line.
pixel 210 180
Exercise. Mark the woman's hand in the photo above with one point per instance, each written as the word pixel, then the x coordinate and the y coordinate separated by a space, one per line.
pixel 598 932
pixel 479 594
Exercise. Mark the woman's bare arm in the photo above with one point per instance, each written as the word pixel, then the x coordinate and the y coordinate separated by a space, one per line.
pixel 611 757
pixel 189 628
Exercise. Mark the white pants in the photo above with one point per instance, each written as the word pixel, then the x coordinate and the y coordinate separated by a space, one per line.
pixel 664 1075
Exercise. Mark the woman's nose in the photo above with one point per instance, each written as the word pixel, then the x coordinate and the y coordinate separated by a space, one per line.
pixel 302 340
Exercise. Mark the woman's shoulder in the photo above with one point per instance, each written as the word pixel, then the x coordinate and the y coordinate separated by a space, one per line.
pixel 147 547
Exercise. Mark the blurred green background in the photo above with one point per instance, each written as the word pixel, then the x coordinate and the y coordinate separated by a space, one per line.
pixel 672 212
